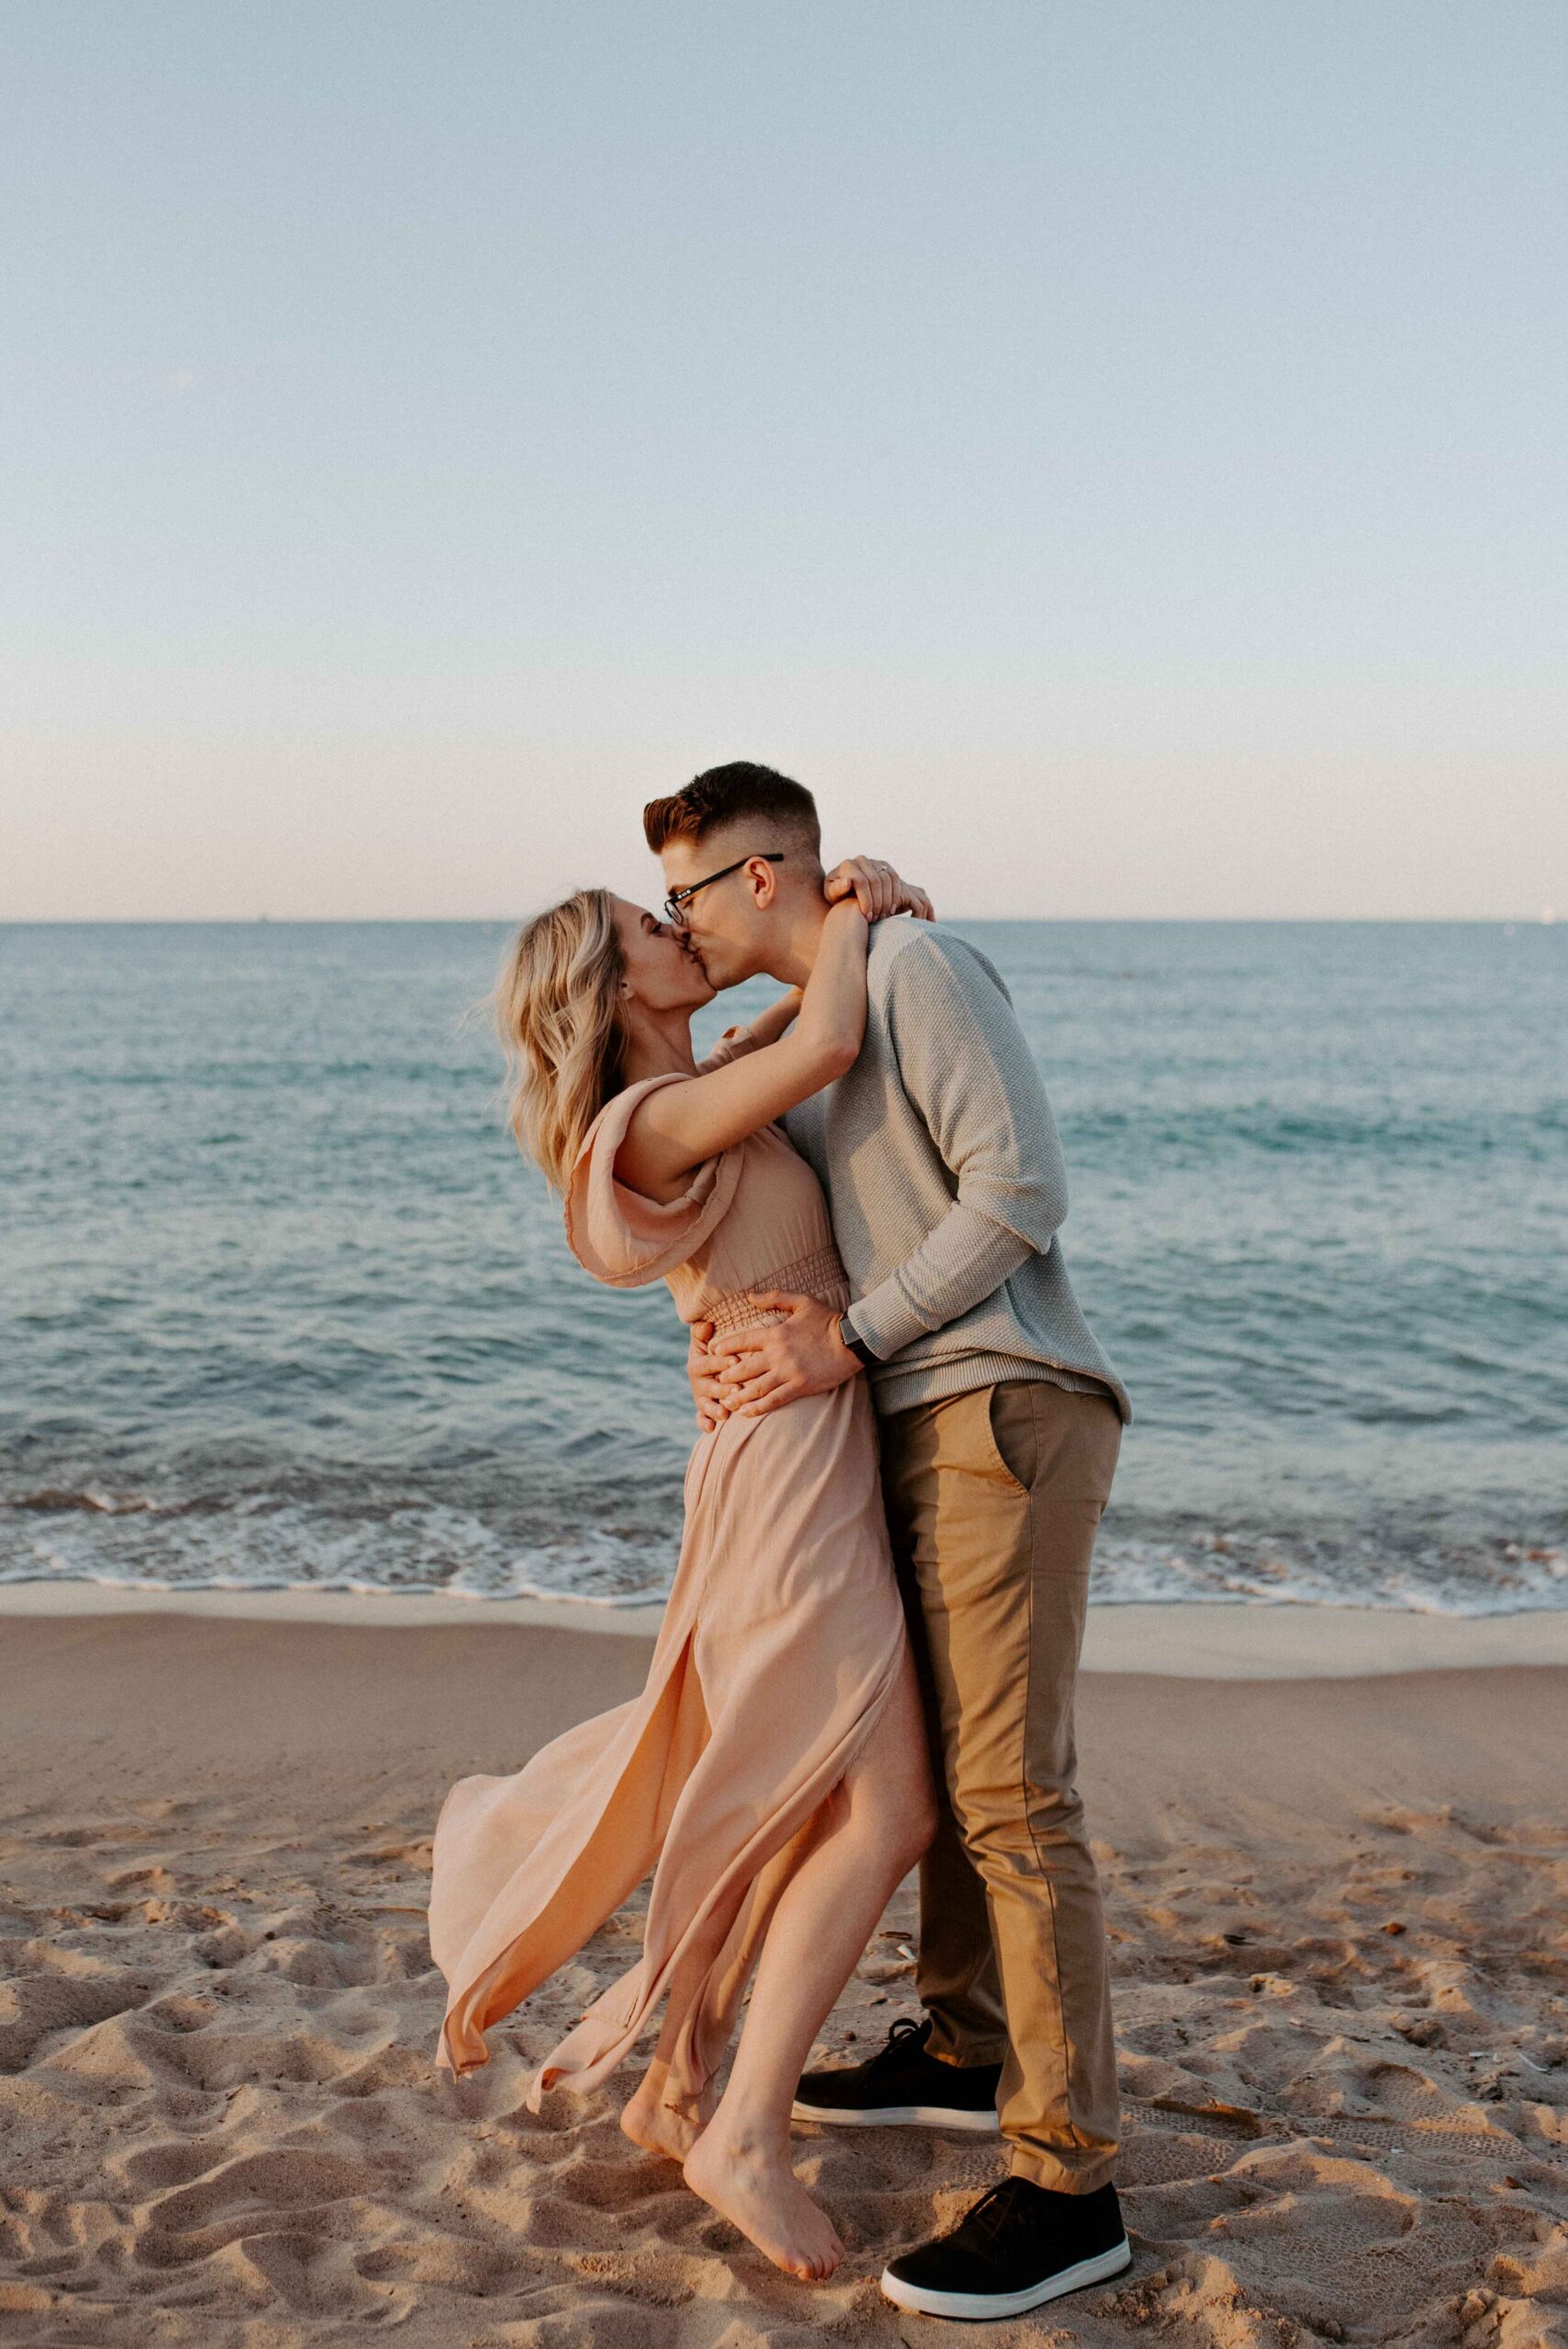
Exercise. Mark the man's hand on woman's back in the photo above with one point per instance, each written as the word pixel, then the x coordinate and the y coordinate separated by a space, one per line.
pixel 701 1371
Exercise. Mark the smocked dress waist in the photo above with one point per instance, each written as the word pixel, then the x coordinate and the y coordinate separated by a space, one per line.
pixel 819 1274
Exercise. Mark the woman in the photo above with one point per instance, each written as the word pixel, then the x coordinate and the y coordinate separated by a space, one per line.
pixel 773 1771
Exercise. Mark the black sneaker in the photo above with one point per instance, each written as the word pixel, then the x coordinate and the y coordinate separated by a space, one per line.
pixel 900 2087
pixel 1020 2245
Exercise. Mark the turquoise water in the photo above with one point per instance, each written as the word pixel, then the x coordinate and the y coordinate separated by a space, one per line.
pixel 282 1305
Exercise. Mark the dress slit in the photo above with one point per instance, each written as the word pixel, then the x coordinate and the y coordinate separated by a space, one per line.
pixel 749 1884
pixel 625 1830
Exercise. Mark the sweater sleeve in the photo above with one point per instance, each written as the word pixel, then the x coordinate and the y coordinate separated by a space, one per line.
pixel 967 1069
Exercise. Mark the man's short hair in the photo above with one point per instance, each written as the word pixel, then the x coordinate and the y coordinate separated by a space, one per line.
pixel 732 794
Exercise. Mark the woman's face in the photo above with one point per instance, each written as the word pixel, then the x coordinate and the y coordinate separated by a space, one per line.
pixel 661 970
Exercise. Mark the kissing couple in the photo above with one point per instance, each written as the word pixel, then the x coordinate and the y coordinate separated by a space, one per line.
pixel 868 1657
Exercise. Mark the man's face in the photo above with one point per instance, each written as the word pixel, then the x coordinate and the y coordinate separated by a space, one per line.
pixel 726 920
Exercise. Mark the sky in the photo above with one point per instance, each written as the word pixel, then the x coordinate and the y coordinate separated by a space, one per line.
pixel 1113 453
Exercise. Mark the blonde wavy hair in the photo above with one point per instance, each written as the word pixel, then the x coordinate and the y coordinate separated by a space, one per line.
pixel 557 1009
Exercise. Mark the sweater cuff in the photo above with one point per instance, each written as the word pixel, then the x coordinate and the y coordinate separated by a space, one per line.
pixel 852 1318
pixel 963 1260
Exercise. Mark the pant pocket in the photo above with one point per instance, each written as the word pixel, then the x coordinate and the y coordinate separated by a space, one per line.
pixel 1012 1428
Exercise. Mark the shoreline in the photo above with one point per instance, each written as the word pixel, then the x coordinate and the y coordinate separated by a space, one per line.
pixel 1179 1638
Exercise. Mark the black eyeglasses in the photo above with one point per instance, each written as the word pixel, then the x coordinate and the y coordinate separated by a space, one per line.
pixel 677 901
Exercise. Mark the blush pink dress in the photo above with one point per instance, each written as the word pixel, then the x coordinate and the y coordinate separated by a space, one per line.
pixel 782 1641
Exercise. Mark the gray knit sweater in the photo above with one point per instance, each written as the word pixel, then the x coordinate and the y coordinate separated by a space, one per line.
pixel 944 1174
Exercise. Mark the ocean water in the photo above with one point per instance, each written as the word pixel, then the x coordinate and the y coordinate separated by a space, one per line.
pixel 282 1305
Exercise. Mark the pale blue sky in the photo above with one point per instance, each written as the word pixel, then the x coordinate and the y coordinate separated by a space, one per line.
pixel 1114 453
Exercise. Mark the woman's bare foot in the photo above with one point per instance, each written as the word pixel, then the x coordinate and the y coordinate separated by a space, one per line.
pixel 649 2122
pixel 757 2191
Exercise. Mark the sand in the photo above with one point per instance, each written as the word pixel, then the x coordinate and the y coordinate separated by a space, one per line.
pixel 1336 1905
pixel 1217 1640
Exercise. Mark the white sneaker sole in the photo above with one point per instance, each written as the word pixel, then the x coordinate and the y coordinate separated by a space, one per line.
pixel 898 2116
pixel 977 2306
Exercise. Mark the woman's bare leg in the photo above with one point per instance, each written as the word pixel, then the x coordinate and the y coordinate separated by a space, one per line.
pixel 882 1816
pixel 647 2120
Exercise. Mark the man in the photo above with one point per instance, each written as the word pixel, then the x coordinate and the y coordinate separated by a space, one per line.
pixel 1000 1422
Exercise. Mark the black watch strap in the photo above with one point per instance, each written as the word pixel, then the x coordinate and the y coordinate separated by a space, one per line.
pixel 857 1345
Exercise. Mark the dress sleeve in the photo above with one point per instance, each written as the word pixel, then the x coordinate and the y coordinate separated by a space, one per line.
pixel 618 1234
pixel 733 1045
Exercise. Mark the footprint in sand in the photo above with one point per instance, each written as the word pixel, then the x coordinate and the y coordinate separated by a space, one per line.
pixel 241 2197
pixel 36 2006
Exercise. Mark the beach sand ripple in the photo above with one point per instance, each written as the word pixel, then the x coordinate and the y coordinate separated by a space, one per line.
pixel 1344 2069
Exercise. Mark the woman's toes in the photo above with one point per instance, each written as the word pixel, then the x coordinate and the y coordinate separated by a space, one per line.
pixel 761 2195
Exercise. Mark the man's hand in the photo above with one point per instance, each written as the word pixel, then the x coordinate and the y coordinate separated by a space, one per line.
pixel 766 1367
pixel 701 1372
pixel 876 889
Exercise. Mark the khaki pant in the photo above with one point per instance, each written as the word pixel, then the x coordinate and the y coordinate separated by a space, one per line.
pixel 992 1500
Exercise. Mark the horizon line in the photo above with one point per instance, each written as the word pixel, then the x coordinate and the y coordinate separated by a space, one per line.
pixel 1544 919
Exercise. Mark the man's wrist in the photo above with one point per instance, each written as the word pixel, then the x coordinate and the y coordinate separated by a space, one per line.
pixel 853 1343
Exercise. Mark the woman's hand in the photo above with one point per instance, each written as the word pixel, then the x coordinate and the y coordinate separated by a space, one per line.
pixel 877 889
